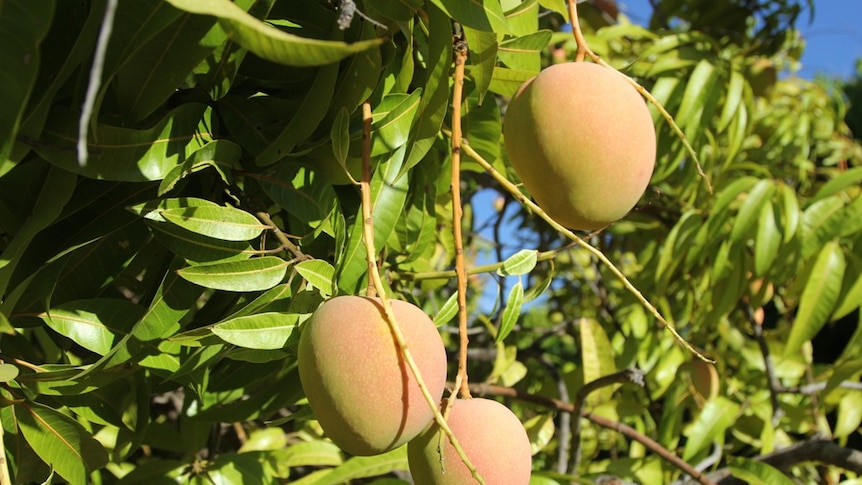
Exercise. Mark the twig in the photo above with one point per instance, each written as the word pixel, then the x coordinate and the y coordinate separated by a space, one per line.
pixel 5 478
pixel 376 281
pixel 460 49
pixel 282 238
pixel 95 80
pixel 625 430
pixel 771 378
pixel 516 192
pixel 631 375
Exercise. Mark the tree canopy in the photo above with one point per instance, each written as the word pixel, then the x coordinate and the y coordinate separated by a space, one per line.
pixel 178 195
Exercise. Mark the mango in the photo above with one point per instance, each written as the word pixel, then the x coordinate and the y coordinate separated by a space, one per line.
pixel 491 436
pixel 357 382
pixel 582 141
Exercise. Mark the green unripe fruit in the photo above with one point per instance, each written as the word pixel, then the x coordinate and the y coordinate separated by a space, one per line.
pixel 491 436
pixel 357 382
pixel 582 141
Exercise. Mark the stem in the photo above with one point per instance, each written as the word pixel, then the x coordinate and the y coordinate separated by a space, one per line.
pixel 584 50
pixel 457 214
pixel 628 431
pixel 5 478
pixel 365 189
pixel 377 283
pixel 516 192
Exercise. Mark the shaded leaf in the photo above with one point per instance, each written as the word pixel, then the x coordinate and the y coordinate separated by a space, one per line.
pixel 756 472
pixel 95 323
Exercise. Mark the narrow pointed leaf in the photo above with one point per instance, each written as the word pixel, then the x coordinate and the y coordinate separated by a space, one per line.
pixel 756 472
pixel 448 311
pixel 716 416
pixel 269 42
pixel 253 274
pixel 749 211
pixel 263 331
pixel 61 442
pixel 219 222
pixel 94 324
pixel 597 359
pixel 318 273
pixel 519 263
pixel 511 312
pixel 819 296
pixel 484 15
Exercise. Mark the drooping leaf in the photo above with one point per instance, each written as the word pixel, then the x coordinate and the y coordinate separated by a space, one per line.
pixel 819 296
pixel 749 211
pixel 511 311
pixel 253 274
pixel 767 240
pixel 482 57
pixel 61 442
pixel 716 416
pixel 264 331
pixel 269 42
pixel 448 311
pixel 597 358
pixel 522 53
pixel 318 273
pixel 22 26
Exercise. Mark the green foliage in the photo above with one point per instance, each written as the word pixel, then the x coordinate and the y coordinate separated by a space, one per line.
pixel 151 300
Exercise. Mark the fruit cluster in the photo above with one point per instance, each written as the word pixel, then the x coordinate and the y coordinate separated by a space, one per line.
pixel 368 402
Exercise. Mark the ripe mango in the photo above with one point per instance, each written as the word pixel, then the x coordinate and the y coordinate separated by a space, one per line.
pixel 357 382
pixel 491 436
pixel 582 141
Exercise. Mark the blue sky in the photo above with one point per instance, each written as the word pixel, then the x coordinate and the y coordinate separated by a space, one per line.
pixel 833 38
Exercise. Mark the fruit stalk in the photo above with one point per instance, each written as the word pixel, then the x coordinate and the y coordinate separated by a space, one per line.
pixel 377 283
pixel 457 214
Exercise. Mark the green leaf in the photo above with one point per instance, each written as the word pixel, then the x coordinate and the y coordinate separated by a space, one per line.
pixel 511 311
pixel 523 53
pixel 340 134
pixel 306 117
pixel 448 311
pixel 849 415
pixel 360 467
pixel 305 194
pixel 851 288
pixel 312 453
pixel 253 274
pixel 318 273
pixel 269 42
pixel 8 372
pixel 23 25
pixel 392 121
pixel 198 248
pixel 484 15
pixel 506 82
pixel 124 154
pixel 819 296
pixel 716 416
pixel 221 155
pixel 61 442
pixel 597 359
pixel 218 222
pixel 756 472
pixel 749 211
pixel 55 193
pixel 540 431
pixel 767 240
pixel 843 181
pixel 95 323
pixel 482 57
pixel 263 331
pixel 696 97
pixel 845 371
pixel 519 263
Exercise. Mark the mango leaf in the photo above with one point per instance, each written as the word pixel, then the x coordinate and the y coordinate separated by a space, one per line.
pixel 851 288
pixel 756 472
pixel 821 222
pixel 392 120
pixel 716 416
pixel 305 194
pixel 767 240
pixel 540 431
pixel 157 67
pixel 22 27
pixel 269 42
pixel 511 311
pixel 8 372
pixel 253 274
pixel 849 415
pixel 482 57
pixel 306 117
pixel 94 324
pixel 749 211
pixel 198 248
pixel 522 53
pixel 124 154
pixel 360 467
pixel 484 15
pixel 847 370
pixel 221 155
pixel 847 179
pixel 597 359
pixel 61 442
pixel 819 296
pixel 448 311
pixel 523 17
pixel 697 97
pixel 218 222
pixel 312 453
pixel 519 263
pixel 318 273
pixel 506 82
pixel 263 331
pixel 55 193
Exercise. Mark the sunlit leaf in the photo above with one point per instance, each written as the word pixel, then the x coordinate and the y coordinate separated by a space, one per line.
pixel 318 273
pixel 519 263
pixel 265 331
pixel 716 416
pixel 94 324
pixel 218 222
pixel 511 311
pixel 757 472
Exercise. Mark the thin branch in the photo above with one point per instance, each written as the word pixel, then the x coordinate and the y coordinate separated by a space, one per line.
pixel 771 378
pixel 460 49
pixel 389 314
pixel 524 200
pixel 625 430
pixel 95 80
pixel 631 375
pixel 286 243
